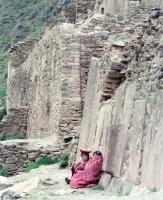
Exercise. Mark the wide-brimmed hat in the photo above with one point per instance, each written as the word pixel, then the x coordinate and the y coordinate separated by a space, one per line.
pixel 85 150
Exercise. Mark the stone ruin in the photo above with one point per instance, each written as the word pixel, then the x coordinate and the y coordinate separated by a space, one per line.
pixel 95 81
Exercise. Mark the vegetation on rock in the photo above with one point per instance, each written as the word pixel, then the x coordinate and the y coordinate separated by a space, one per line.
pixel 63 160
pixel 99 187
pixel 3 170
pixel 41 161
pixel 153 189
pixel 2 113
pixel 11 137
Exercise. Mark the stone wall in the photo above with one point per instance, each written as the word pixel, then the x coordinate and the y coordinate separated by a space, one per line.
pixel 16 155
pixel 153 3
pixel 15 123
pixel 17 78
pixel 56 76
pixel 77 12
pixel 54 85
pixel 111 68
pixel 114 7
pixel 123 109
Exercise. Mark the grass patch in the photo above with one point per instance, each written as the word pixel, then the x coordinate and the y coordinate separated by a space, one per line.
pixel 11 137
pixel 41 161
pixel 36 78
pixel 3 76
pixel 153 189
pixel 63 160
pixel 2 113
pixel 3 170
pixel 98 187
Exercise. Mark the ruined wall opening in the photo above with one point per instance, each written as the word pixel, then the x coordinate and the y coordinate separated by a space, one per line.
pixel 113 80
pixel 102 11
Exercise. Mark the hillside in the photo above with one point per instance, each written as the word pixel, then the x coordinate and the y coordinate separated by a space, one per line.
pixel 23 20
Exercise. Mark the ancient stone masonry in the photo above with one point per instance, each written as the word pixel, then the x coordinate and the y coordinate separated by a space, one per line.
pixel 15 123
pixel 96 83
pixel 124 120
pixel 153 3
pixel 17 155
pixel 77 12
pixel 114 7
pixel 56 76
pixel 16 95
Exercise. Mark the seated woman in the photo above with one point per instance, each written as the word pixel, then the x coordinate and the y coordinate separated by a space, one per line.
pixel 90 176
pixel 77 167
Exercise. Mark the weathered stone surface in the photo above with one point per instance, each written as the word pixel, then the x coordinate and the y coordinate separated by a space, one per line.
pixel 11 160
pixel 153 3
pixel 112 6
pixel 15 123
pixel 105 180
pixel 123 121
pixel 16 155
pixel 120 187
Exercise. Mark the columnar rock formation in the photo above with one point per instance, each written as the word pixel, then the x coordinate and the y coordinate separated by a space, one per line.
pixel 99 83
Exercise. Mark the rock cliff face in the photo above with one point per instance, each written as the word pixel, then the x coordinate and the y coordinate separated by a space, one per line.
pixel 98 83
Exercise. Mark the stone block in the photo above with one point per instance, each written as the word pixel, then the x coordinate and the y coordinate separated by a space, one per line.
pixel 105 180
pixel 120 187
pixel 11 160
pixel 32 156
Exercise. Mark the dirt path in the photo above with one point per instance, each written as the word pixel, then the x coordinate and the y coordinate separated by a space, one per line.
pixel 51 186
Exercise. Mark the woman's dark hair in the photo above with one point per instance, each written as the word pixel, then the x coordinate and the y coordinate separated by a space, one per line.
pixel 98 153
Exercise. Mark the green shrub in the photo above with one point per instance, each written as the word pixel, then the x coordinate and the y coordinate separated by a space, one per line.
pixel 2 137
pixel 15 137
pixel 11 137
pixel 63 160
pixel 41 161
pixel 99 187
pixel 153 189
pixel 2 113
pixel 35 78
pixel 4 56
pixel 31 166
pixel 3 170
pixel 47 161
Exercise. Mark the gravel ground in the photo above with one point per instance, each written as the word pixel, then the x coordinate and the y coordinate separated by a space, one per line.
pixel 51 186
